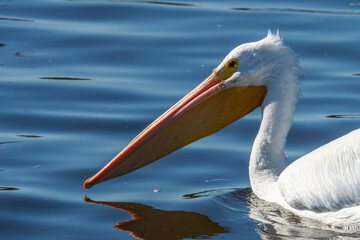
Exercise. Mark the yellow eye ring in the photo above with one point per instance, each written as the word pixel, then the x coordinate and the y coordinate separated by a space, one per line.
pixel 229 69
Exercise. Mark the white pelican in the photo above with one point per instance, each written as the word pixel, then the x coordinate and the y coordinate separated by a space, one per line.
pixel 323 185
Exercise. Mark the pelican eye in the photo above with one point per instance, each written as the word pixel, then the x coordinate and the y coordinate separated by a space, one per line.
pixel 232 64
pixel 229 69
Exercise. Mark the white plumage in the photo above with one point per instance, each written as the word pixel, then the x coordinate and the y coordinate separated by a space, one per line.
pixel 327 179
pixel 324 184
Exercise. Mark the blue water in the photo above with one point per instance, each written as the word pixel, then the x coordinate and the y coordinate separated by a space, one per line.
pixel 80 79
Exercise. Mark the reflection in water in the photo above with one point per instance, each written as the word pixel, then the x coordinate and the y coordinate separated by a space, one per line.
pixel 275 222
pixel 155 224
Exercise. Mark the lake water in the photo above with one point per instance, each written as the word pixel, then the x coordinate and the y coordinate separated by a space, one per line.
pixel 80 79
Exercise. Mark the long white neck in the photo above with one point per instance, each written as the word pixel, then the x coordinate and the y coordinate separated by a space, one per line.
pixel 267 158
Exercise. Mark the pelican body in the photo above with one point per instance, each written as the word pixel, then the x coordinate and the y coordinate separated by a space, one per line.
pixel 323 185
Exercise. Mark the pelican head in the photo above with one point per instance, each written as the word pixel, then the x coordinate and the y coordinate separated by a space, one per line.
pixel 235 88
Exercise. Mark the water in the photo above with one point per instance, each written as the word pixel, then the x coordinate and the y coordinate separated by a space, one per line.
pixel 79 79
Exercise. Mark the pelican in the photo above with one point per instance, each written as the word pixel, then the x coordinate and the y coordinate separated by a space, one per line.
pixel 323 185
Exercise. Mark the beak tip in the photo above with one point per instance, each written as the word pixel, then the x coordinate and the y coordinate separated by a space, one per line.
pixel 88 184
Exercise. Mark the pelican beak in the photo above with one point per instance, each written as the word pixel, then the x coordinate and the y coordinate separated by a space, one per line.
pixel 208 108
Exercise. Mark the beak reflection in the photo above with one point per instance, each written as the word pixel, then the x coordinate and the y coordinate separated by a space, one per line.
pixel 148 223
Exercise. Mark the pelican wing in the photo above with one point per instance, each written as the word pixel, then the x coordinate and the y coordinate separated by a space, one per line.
pixel 326 179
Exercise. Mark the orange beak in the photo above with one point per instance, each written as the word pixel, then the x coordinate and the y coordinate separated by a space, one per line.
pixel 205 110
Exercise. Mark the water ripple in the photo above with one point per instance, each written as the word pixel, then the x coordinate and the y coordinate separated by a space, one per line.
pixel 169 3
pixel 9 189
pixel 344 116
pixel 15 19
pixel 65 78
pixel 298 10
pixel 9 142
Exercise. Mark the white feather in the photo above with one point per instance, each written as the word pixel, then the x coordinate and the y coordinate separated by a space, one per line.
pixel 327 179
pixel 323 185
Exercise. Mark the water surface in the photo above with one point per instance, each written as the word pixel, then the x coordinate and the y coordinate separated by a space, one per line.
pixel 80 79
